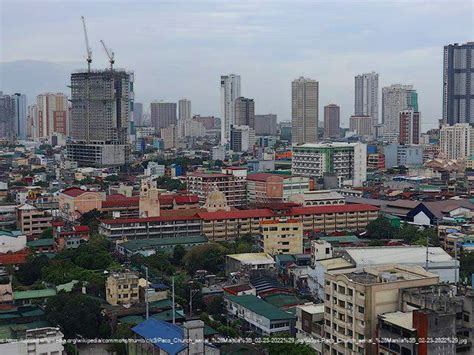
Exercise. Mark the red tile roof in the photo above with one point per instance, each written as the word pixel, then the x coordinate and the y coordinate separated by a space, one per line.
pixel 183 200
pixel 81 228
pixel 331 209
pixel 14 258
pixel 166 199
pixel 73 191
pixel 120 202
pixel 258 213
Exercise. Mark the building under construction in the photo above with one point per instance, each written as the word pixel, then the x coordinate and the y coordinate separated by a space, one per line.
pixel 100 116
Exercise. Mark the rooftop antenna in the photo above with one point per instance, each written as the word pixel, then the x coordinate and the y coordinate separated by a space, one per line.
pixel 88 48
pixel 110 54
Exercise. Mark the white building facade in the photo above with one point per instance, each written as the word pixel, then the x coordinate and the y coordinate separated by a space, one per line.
pixel 230 90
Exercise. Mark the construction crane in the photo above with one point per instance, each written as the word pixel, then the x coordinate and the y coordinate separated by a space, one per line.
pixel 110 54
pixel 88 48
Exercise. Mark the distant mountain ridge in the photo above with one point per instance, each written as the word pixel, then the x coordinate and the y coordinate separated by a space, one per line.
pixel 32 77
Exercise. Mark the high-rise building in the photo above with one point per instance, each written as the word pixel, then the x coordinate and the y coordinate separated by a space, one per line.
pixel 138 114
pixel 100 117
pixel 348 161
pixel 361 125
pixel 7 116
pixel 170 137
pixel 184 109
pixel 242 138
pixel 456 141
pixel 366 99
pixel 266 125
pixel 458 87
pixel 50 117
pixel 244 114
pixel 396 98
pixel 409 127
pixel 304 110
pixel 20 115
pixel 31 122
pixel 163 114
pixel 190 128
pixel 331 121
pixel 230 90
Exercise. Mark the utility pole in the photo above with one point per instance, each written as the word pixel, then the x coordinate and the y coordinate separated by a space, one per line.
pixel 146 292
pixel 172 290
pixel 427 251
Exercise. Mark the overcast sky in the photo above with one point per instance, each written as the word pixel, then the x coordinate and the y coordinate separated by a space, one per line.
pixel 180 48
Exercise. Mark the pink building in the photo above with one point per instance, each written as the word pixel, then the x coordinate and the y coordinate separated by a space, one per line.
pixel 74 202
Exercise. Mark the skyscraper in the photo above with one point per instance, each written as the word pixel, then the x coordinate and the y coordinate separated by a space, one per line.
pixel 304 110
pixel 20 115
pixel 230 90
pixel 396 98
pixel 366 99
pixel 100 117
pixel 266 125
pixel 7 116
pixel 458 83
pixel 138 114
pixel 184 109
pixel 50 116
pixel 244 112
pixel 409 127
pixel 331 121
pixel 163 114
pixel 361 125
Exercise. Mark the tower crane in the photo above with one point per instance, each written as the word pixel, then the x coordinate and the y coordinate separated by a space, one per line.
pixel 110 54
pixel 88 48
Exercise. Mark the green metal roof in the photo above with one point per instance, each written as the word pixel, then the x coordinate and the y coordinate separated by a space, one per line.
pixel 24 295
pixel 41 243
pixel 12 234
pixel 168 315
pixel 158 243
pixel 133 319
pixel 260 307
pixel 282 300
pixel 342 239
pixel 166 303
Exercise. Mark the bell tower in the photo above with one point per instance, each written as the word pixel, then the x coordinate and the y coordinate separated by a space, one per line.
pixel 149 205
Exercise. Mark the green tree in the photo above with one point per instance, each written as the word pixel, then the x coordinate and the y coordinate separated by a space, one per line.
pixel 178 254
pixel 381 228
pixel 92 257
pixel 289 348
pixel 216 308
pixel 47 233
pixel 466 265
pixel 91 219
pixel 208 257
pixel 76 314
pixel 123 331
pixel 30 272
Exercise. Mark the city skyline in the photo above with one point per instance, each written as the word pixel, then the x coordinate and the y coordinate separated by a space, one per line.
pixel 264 50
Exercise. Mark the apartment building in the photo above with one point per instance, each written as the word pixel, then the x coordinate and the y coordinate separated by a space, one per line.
pixel 281 236
pixel 231 181
pixel 31 220
pixel 410 127
pixel 456 141
pixel 355 297
pixel 348 161
pixel 122 288
pixel 267 188
pixel 376 161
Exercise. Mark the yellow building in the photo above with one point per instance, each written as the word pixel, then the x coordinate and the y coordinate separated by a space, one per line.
pixel 122 288
pixel 281 236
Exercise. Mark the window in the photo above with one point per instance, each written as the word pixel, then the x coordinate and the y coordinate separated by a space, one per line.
pixel 361 309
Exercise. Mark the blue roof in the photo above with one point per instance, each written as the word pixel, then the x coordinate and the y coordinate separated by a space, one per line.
pixel 161 334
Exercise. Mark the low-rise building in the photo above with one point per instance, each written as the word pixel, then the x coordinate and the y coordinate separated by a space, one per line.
pixel 259 316
pixel 11 241
pixel 318 198
pixel 147 247
pixel 248 261
pixel 37 341
pixel 122 288
pixel 281 236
